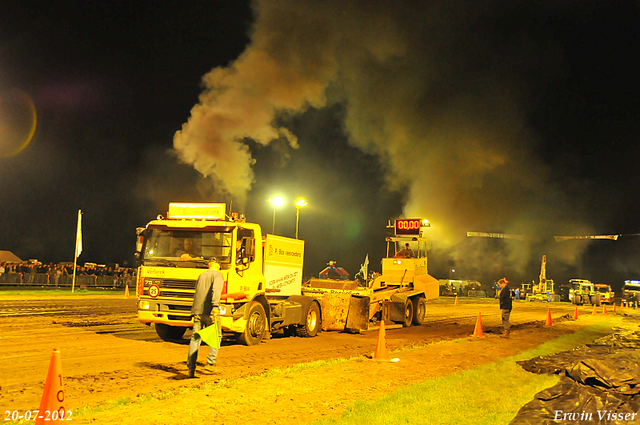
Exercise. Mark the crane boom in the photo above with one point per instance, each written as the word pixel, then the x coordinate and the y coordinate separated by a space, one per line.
pixel 543 270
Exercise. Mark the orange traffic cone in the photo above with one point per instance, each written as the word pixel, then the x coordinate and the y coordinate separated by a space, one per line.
pixel 575 315
pixel 126 291
pixel 549 321
pixel 478 329
pixel 614 307
pixel 594 310
pixel 382 351
pixel 605 309
pixel 456 303
pixel 53 394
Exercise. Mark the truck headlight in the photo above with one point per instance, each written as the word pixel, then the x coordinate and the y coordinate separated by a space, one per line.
pixel 144 305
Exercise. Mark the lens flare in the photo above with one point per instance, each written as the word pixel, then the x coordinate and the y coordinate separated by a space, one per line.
pixel 17 122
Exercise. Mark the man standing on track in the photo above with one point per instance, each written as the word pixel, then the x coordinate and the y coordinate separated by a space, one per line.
pixel 206 302
pixel 505 305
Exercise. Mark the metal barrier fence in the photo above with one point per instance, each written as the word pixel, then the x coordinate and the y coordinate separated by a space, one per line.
pixel 46 279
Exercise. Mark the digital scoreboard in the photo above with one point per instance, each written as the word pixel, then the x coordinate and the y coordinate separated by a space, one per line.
pixel 408 226
pixel 178 210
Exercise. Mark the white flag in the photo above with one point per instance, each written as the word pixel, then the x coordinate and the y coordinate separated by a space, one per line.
pixel 79 235
pixel 365 268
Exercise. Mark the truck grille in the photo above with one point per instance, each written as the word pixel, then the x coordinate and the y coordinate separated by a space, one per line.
pixel 174 307
pixel 176 294
pixel 178 284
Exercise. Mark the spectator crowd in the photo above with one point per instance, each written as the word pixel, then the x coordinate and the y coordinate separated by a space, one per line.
pixel 32 272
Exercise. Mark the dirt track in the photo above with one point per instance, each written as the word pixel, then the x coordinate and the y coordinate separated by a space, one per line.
pixel 107 355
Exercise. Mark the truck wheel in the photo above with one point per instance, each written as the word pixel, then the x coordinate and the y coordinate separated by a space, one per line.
pixel 311 326
pixel 256 325
pixel 597 300
pixel 419 311
pixel 408 314
pixel 169 333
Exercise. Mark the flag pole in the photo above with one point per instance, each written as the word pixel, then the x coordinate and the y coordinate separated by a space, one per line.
pixel 73 281
pixel 78 250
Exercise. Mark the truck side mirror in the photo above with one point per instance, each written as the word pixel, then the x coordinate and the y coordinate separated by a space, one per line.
pixel 140 233
pixel 137 259
pixel 250 249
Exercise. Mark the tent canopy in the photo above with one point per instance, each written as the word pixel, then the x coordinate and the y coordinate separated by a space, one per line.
pixel 9 257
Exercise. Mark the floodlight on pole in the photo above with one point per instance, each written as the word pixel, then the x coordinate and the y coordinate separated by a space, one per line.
pixel 299 204
pixel 277 201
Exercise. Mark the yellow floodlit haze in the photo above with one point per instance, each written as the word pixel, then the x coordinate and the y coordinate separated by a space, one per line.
pixel 450 130
pixel 17 121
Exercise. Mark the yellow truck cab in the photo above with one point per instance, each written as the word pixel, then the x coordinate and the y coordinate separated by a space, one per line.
pixel 606 294
pixel 262 275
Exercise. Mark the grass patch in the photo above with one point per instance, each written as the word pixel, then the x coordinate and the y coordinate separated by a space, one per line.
pixel 486 395
pixel 567 342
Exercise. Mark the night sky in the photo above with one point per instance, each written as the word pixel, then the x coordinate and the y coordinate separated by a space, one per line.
pixel 504 117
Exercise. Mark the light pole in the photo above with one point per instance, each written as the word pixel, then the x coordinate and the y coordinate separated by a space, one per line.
pixel 277 201
pixel 299 204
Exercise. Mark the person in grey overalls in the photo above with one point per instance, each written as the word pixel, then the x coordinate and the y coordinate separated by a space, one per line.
pixel 205 309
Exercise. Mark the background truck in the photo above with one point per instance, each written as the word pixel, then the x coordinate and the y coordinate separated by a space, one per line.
pixel 583 291
pixel 262 275
pixel 397 295
pixel 606 294
pixel 631 293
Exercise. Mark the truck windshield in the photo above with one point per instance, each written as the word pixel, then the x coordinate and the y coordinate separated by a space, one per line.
pixel 171 244
pixel 631 287
pixel 602 289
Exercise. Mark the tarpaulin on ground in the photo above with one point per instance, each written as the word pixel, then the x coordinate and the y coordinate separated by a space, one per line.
pixel 599 384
